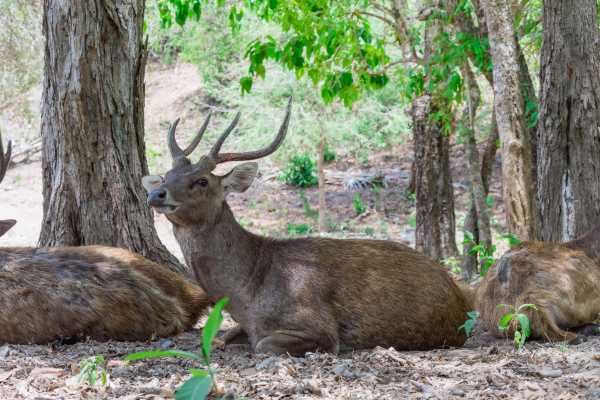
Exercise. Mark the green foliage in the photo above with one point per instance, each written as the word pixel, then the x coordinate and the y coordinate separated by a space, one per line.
pixel 470 322
pixel 298 229
pixel 91 368
pixel 202 381
pixel 359 206
pixel 512 239
pixel 308 210
pixel 453 263
pixel 485 254
pixel 333 47
pixel 300 171
pixel 518 321
pixel 412 220
pixel 328 154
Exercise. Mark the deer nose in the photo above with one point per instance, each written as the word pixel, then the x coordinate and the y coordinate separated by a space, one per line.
pixel 157 197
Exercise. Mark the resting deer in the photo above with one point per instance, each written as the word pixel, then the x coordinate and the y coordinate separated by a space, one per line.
pixel 294 296
pixel 562 280
pixel 66 293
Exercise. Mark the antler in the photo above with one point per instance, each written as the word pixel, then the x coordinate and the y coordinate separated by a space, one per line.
pixel 250 155
pixel 176 151
pixel 4 158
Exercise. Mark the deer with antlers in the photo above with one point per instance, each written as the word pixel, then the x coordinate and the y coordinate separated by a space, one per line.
pixel 68 293
pixel 299 295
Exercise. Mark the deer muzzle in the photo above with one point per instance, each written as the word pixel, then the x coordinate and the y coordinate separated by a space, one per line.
pixel 159 199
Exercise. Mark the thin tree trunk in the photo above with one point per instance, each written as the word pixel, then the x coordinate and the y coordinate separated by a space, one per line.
pixel 479 217
pixel 517 163
pixel 321 177
pixel 568 129
pixel 93 128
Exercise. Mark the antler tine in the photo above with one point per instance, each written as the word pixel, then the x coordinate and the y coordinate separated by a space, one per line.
pixel 4 158
pixel 188 150
pixel 214 152
pixel 253 155
pixel 174 148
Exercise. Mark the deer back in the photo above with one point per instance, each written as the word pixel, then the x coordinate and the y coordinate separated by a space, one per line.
pixel 97 292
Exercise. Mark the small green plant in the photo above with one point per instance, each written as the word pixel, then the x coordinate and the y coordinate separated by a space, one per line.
pixel 470 322
pixel 412 220
pixel 93 368
pixel 512 239
pixel 300 171
pixel 202 381
pixel 298 229
pixel 308 210
pixel 328 154
pixel 359 206
pixel 516 319
pixel 485 254
pixel 369 231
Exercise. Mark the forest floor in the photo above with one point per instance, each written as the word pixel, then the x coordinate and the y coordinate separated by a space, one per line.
pixel 485 368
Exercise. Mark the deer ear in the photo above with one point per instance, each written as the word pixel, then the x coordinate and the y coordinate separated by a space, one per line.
pixel 5 225
pixel 240 178
pixel 151 182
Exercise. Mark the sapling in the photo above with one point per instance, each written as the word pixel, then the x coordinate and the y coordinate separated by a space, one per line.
pixel 518 320
pixel 202 380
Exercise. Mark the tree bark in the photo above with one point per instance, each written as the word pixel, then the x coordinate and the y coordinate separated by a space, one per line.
pixel 568 128
pixel 433 184
pixel 93 128
pixel 321 177
pixel 517 164
pixel 479 216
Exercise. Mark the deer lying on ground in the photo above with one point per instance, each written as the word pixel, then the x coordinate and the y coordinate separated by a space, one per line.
pixel 66 293
pixel 562 280
pixel 294 296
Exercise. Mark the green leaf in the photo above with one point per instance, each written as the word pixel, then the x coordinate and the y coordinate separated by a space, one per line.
pixel 246 84
pixel 524 323
pixel 195 388
pixel 212 327
pixel 527 305
pixel 504 322
pixel 148 355
pixel 473 314
pixel 200 373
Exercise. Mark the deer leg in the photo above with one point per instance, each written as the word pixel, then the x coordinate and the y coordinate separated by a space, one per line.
pixel 235 335
pixel 296 343
pixel 589 330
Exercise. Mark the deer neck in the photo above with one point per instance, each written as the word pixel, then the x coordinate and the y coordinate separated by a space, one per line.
pixel 222 255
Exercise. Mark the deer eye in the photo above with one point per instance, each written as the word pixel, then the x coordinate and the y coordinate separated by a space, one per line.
pixel 202 182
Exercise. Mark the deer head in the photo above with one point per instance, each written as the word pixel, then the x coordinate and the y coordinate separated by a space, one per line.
pixel 190 194
pixel 5 225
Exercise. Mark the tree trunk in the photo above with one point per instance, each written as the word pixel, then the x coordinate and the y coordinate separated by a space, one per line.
pixel 478 218
pixel 517 164
pixel 568 128
pixel 433 184
pixel 93 128
pixel 321 177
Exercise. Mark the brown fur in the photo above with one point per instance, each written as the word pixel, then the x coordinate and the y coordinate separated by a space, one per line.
pixel 93 291
pixel 302 295
pixel 560 279
pixel 98 292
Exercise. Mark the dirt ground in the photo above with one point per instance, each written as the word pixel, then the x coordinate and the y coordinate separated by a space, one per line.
pixel 484 369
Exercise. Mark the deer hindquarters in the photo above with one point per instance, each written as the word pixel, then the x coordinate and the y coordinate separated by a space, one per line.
pixel 296 343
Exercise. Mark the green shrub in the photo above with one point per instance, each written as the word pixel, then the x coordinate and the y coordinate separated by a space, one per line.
pixel 328 154
pixel 298 229
pixel 300 171
pixel 359 206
